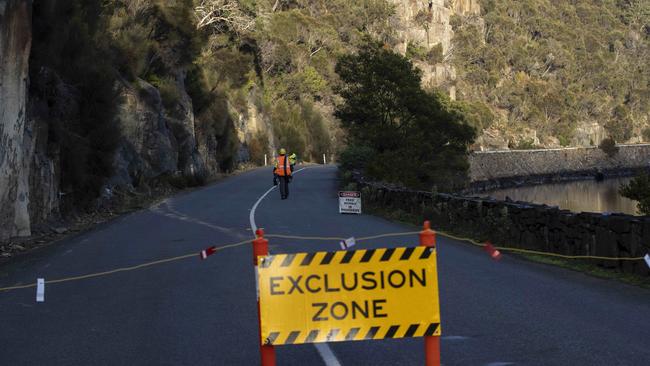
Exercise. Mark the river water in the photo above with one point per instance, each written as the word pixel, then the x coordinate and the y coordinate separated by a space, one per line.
pixel 577 196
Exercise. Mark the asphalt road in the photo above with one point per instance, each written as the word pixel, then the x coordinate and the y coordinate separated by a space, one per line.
pixel 193 312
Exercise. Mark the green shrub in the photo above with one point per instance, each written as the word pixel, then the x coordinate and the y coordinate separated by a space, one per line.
pixel 355 157
pixel 525 144
pixel 639 190
pixel 646 134
pixel 435 54
pixel 620 125
pixel 566 141
pixel 169 92
pixel 416 51
pixel 608 145
pixel 258 147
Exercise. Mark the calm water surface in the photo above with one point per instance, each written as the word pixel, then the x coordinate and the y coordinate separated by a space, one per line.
pixel 578 196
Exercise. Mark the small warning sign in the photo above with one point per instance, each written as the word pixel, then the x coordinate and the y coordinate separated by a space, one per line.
pixel 350 202
pixel 349 295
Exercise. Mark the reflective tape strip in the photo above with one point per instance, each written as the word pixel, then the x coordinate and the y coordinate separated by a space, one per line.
pixel 257 284
pixel 40 290
pixel 353 334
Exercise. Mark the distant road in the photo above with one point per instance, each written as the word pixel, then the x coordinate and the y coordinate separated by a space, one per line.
pixel 193 312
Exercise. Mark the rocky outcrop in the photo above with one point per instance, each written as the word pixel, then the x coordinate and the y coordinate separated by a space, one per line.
pixel 155 141
pixel 437 29
pixel 147 147
pixel 16 139
pixel 427 24
pixel 253 122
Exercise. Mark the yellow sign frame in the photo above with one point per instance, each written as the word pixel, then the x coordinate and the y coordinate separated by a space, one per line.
pixel 349 295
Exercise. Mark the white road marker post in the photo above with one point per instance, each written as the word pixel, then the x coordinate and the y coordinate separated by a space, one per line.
pixel 324 160
pixel 265 160
pixel 40 290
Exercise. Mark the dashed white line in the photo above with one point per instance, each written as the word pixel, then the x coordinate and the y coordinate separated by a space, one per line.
pixel 323 349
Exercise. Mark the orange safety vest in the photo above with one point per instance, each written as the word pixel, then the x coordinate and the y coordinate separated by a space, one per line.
pixel 282 166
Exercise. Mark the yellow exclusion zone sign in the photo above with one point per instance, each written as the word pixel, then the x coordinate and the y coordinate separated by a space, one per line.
pixel 348 295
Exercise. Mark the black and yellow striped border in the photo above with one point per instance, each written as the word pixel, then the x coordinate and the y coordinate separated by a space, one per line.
pixel 345 257
pixel 353 334
pixel 349 257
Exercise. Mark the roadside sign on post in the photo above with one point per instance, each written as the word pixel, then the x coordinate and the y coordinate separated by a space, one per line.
pixel 348 295
pixel 350 202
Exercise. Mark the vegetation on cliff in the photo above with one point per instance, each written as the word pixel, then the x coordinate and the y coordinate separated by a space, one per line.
pixel 237 60
pixel 72 88
pixel 549 65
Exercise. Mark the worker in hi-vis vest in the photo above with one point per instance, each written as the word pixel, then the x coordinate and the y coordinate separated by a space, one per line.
pixel 282 171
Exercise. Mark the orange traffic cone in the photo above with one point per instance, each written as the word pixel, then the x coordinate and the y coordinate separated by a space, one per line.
pixel 492 251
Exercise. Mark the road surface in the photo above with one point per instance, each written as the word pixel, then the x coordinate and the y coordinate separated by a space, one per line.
pixel 193 312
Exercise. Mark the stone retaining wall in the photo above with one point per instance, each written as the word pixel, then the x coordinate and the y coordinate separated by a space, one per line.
pixel 524 225
pixel 486 166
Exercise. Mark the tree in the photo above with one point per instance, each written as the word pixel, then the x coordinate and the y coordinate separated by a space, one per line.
pixel 223 15
pixel 419 141
pixel 608 145
pixel 639 190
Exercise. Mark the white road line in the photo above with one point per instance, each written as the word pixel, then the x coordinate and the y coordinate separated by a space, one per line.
pixel 251 216
pixel 326 354
pixel 172 213
pixel 323 349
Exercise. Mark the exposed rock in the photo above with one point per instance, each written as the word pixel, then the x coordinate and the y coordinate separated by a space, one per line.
pixel 181 121
pixel 588 134
pixel 492 138
pixel 59 230
pixel 15 136
pixel 439 28
pixel 252 122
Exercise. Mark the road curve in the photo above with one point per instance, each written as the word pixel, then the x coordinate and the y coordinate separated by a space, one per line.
pixel 193 312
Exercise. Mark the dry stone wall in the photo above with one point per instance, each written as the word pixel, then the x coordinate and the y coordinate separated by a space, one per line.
pixel 492 169
pixel 523 225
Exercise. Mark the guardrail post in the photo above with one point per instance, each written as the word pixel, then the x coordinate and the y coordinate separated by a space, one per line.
pixel 260 248
pixel 432 343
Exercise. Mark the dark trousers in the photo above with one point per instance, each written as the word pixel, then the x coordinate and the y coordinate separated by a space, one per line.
pixel 284 186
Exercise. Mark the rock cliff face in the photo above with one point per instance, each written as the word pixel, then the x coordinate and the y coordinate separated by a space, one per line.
pixel 147 148
pixel 157 141
pixel 16 138
pixel 427 23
